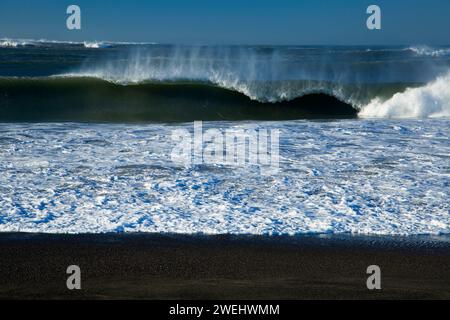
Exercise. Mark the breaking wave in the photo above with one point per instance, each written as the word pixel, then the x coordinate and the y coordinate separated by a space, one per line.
pixel 391 82
pixel 82 98
pixel 429 101
pixel 96 45
pixel 272 76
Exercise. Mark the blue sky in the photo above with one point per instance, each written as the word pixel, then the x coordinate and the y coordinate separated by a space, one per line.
pixel 231 21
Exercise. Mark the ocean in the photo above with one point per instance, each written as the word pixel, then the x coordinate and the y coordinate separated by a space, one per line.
pixel 86 138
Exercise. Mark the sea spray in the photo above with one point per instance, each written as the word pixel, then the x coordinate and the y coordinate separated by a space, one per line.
pixel 361 77
pixel 429 101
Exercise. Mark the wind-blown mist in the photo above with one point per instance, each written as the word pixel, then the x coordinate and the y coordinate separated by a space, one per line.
pixel 355 75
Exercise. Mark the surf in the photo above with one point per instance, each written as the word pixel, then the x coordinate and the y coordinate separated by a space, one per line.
pixel 429 101
pixel 113 82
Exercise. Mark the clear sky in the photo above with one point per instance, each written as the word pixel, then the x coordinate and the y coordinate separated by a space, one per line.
pixel 231 21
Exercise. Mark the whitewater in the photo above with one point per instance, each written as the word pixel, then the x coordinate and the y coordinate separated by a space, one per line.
pixel 86 138
pixel 429 101
pixel 361 177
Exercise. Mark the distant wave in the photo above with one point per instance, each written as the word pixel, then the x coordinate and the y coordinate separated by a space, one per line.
pixel 431 100
pixel 424 51
pixel 96 45
pixel 6 43
pixel 15 43
pixel 32 42
pixel 108 44
pixel 264 76
pixel 430 52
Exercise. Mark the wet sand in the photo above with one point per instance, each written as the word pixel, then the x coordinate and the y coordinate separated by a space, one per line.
pixel 151 266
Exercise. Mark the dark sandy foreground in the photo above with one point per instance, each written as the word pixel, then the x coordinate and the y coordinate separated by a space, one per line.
pixel 222 267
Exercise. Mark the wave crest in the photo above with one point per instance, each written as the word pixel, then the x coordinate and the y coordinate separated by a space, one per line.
pixel 264 75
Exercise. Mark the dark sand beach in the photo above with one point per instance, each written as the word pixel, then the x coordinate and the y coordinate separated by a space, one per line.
pixel 150 266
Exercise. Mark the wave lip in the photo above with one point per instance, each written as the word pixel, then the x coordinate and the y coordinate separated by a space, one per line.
pixel 429 101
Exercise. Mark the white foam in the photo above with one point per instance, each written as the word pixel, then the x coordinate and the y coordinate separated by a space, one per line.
pixel 14 43
pixel 430 52
pixel 5 43
pixel 30 42
pixel 96 44
pixel 429 101
pixel 354 176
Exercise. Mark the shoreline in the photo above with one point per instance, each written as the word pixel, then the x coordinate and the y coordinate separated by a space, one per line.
pixel 168 266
